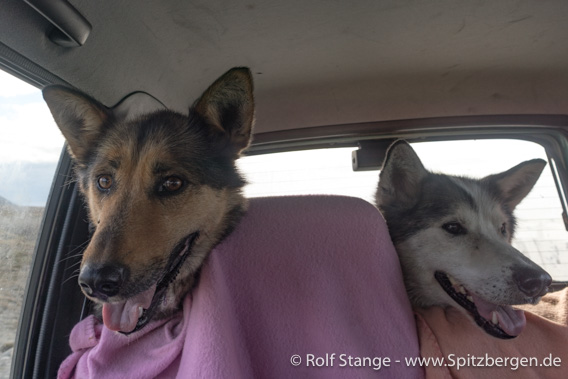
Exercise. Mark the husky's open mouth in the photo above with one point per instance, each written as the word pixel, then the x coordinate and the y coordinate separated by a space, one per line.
pixel 134 313
pixel 501 321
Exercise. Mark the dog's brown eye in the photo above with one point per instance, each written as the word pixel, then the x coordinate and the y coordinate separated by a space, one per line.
pixel 104 182
pixel 172 184
pixel 454 228
pixel 504 229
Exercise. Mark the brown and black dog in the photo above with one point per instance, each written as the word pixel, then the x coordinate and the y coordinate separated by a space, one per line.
pixel 161 190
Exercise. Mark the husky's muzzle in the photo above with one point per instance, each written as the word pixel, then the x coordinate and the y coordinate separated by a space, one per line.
pixel 499 320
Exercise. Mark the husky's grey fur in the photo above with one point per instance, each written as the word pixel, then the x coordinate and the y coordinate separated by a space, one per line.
pixel 453 237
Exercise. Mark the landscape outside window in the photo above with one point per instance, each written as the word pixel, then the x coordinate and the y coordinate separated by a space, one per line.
pixel 30 146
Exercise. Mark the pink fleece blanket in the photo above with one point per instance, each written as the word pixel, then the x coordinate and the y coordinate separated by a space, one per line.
pixel 304 287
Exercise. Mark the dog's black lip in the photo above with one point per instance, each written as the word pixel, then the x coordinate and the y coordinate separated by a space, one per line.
pixel 170 273
pixel 462 300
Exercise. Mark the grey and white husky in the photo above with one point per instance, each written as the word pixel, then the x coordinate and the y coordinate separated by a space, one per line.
pixel 453 237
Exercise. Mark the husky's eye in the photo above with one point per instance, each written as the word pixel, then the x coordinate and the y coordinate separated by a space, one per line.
pixel 171 184
pixel 504 229
pixel 104 182
pixel 454 228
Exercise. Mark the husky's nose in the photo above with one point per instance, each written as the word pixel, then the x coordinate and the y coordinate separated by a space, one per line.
pixel 101 281
pixel 532 282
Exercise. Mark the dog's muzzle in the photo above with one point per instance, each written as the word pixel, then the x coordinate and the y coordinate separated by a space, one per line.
pixel 499 320
pixel 102 282
pixel 531 281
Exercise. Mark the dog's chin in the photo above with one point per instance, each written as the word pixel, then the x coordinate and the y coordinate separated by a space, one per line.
pixel 498 320
pixel 134 313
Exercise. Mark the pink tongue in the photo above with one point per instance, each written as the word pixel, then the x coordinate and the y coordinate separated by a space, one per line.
pixel 511 320
pixel 123 316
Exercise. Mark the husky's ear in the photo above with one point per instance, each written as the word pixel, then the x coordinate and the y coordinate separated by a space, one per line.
pixel 80 118
pixel 228 105
pixel 515 183
pixel 400 177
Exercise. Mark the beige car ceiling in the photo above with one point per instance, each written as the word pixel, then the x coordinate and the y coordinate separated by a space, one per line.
pixel 317 62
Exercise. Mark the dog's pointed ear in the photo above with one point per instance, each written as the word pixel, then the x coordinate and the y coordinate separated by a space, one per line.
pixel 80 118
pixel 516 183
pixel 400 177
pixel 228 106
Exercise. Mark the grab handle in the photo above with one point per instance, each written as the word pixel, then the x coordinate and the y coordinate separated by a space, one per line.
pixel 72 28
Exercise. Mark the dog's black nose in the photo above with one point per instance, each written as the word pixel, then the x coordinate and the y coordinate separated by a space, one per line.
pixel 532 282
pixel 102 281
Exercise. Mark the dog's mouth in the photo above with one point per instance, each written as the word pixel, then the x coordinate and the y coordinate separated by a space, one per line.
pixel 134 313
pixel 501 321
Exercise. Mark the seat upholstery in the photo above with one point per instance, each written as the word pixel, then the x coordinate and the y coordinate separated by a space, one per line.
pixel 312 276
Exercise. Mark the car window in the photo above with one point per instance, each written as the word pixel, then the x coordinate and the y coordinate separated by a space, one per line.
pixel 30 146
pixel 540 233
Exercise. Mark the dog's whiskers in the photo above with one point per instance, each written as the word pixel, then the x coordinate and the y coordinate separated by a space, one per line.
pixel 75 274
pixel 69 180
pixel 73 265
pixel 80 246
pixel 71 257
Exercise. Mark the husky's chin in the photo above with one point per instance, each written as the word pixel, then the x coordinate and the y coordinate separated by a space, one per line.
pixel 499 320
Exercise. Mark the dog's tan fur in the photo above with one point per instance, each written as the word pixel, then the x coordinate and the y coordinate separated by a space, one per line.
pixel 136 224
